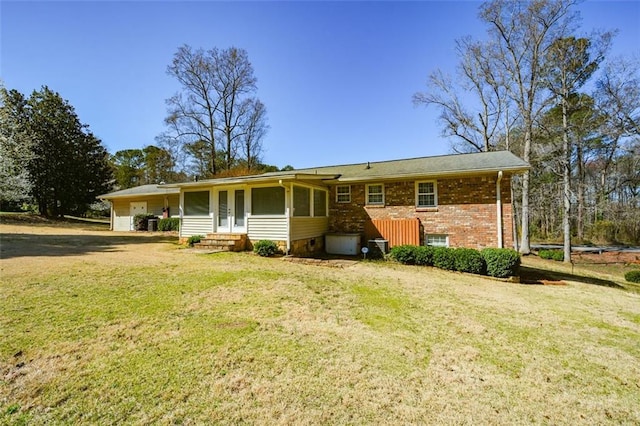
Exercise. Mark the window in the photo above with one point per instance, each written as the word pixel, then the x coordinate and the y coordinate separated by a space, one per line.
pixel 301 201
pixel 319 202
pixel 267 201
pixel 196 203
pixel 343 194
pixel 437 240
pixel 375 194
pixel 426 194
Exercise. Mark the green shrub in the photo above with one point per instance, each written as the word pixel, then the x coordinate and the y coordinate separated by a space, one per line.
pixel 444 258
pixel 552 255
pixel 265 248
pixel 469 260
pixel 424 255
pixel 194 239
pixel 501 263
pixel 405 254
pixel 141 221
pixel 633 276
pixel 169 224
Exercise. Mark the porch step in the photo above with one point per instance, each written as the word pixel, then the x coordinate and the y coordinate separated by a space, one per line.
pixel 223 242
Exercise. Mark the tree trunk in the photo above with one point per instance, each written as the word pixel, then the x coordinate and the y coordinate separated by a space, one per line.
pixel 524 229
pixel 580 189
pixel 566 182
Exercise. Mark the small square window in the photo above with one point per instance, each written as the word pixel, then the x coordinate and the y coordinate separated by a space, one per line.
pixel 375 194
pixel 426 194
pixel 343 194
pixel 437 240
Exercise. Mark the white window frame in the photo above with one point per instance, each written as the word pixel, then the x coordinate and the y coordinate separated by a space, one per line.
pixel 348 194
pixel 437 244
pixel 368 194
pixel 434 193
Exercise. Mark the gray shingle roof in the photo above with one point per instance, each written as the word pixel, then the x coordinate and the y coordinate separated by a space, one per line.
pixel 426 166
pixel 443 165
pixel 142 190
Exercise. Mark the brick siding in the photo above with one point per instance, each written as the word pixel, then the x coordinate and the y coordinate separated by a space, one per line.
pixel 466 210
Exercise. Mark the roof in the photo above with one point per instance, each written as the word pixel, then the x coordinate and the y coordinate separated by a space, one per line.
pixel 422 167
pixel 455 164
pixel 143 190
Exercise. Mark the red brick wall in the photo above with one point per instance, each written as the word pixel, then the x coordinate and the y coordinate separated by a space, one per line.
pixel 466 210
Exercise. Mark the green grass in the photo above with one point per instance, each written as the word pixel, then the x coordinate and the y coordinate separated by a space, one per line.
pixel 149 333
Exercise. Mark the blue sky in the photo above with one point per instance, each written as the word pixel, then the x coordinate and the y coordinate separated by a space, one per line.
pixel 336 77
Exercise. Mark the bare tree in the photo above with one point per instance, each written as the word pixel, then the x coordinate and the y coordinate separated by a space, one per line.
pixel 234 80
pixel 477 75
pixel 192 113
pixel 522 33
pixel 255 128
pixel 209 116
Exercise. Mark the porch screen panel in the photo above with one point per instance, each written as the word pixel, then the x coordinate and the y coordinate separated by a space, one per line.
pixel 319 203
pixel 222 208
pixel 301 201
pixel 267 201
pixel 196 203
pixel 239 207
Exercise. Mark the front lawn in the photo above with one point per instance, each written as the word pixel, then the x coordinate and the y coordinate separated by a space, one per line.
pixel 146 332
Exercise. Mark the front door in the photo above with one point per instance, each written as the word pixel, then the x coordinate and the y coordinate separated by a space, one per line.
pixel 231 214
pixel 136 208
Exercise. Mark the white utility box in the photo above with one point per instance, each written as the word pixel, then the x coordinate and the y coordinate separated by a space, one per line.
pixel 348 244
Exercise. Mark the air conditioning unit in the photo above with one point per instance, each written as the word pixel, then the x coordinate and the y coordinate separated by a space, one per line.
pixel 378 247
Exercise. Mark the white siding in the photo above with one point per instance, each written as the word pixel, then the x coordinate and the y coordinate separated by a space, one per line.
pixel 308 227
pixel 195 226
pixel 267 228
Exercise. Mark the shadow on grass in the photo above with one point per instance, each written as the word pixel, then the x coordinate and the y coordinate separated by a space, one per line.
pixel 533 275
pixel 59 245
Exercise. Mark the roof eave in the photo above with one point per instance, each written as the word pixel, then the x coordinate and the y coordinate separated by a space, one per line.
pixel 252 179
pixel 447 173
pixel 142 194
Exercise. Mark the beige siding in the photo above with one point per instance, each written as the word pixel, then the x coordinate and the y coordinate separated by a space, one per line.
pixel 155 204
pixel 308 227
pixel 174 205
pixel 121 217
pixel 267 228
pixel 195 226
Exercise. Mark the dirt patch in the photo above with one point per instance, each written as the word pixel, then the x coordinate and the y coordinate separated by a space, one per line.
pixel 330 262
pixel 539 277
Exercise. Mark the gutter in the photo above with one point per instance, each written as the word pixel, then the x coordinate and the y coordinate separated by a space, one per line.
pixel 287 215
pixel 499 209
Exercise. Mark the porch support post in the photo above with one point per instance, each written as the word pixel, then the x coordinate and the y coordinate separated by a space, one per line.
pixel 287 203
pixel 499 209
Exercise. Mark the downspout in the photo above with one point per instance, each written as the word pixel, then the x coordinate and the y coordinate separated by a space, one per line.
pixel 288 218
pixel 499 209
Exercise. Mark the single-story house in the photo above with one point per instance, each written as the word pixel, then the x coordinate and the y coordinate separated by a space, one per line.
pixel 145 199
pixel 461 200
